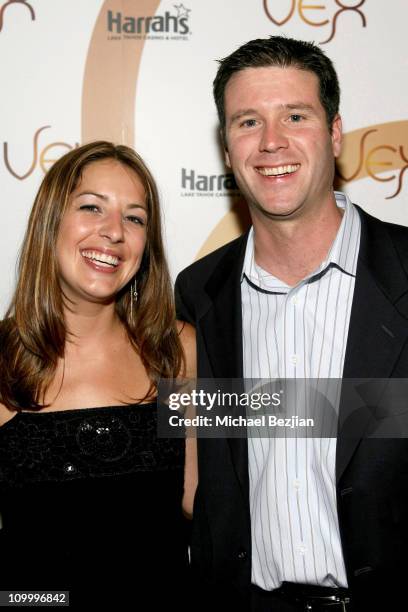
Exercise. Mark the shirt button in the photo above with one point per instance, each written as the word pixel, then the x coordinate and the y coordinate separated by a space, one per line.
pixel 294 359
pixel 296 484
pixel 302 549
pixel 294 300
pixel 69 468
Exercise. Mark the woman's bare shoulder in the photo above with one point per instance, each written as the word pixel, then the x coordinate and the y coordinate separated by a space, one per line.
pixel 5 414
pixel 186 331
pixel 188 340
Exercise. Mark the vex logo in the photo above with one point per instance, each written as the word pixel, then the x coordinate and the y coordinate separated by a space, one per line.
pixel 326 16
pixel 7 4
pixel 210 185
pixel 44 155
pixel 378 152
pixel 167 25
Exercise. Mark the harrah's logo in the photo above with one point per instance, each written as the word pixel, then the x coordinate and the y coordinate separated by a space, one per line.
pixel 207 184
pixel 167 23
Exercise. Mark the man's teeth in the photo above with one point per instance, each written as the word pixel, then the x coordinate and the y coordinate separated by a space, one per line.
pixel 101 257
pixel 278 170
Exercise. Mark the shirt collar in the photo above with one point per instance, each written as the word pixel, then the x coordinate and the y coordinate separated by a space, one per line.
pixel 343 252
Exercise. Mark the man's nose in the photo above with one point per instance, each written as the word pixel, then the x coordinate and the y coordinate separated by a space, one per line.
pixel 273 137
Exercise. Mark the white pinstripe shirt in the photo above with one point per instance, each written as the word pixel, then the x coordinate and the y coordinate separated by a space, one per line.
pixel 298 332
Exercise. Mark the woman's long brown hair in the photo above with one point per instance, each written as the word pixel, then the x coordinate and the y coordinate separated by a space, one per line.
pixel 33 333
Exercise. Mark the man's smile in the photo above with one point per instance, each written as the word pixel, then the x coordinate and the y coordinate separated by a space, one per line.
pixel 277 170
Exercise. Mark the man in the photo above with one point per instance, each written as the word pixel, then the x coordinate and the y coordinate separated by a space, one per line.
pixel 316 289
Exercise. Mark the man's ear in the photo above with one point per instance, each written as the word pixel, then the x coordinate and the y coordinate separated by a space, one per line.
pixel 337 135
pixel 226 154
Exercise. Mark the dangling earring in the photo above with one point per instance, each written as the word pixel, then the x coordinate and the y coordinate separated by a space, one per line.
pixel 134 292
pixel 133 296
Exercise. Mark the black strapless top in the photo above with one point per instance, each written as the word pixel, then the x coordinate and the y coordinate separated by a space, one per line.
pixel 91 503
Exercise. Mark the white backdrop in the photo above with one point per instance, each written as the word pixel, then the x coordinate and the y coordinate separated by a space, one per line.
pixel 140 72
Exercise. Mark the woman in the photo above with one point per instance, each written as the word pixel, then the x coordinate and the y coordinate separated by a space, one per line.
pixel 90 497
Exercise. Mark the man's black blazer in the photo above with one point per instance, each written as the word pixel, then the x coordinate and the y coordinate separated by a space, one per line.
pixel 371 474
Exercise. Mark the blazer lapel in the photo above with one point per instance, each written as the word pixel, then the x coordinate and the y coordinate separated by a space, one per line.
pixel 378 329
pixel 221 326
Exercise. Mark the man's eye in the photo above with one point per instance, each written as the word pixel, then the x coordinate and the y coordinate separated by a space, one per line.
pixel 296 118
pixel 90 207
pixel 249 123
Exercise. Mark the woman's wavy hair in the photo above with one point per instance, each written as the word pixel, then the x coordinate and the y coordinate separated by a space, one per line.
pixel 33 332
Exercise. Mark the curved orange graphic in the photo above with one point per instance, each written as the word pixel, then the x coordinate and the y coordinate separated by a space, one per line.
pixel 110 77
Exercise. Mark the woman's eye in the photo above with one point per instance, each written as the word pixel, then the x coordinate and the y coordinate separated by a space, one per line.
pixel 136 220
pixel 90 207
